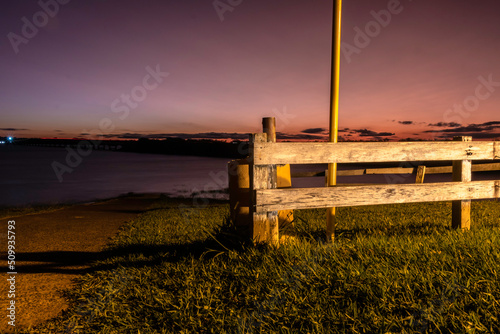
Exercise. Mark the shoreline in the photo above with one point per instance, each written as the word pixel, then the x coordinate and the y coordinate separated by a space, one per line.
pixel 73 202
pixel 53 248
pixel 33 209
pixel 7 212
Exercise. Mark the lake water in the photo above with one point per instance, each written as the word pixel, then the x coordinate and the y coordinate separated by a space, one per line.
pixel 27 176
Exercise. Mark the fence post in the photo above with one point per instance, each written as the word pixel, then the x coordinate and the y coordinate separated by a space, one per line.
pixel 462 172
pixel 265 227
pixel 420 174
pixel 239 194
pixel 269 128
pixel 284 180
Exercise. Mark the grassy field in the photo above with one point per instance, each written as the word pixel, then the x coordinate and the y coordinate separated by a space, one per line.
pixel 179 268
pixel 11 212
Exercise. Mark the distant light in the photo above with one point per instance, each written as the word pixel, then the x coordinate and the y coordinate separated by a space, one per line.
pixel 10 138
pixel 2 142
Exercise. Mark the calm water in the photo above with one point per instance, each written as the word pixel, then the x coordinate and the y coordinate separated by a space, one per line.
pixel 27 175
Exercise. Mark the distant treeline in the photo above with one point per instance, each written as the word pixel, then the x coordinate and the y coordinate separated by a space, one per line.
pixel 171 146
pixel 207 148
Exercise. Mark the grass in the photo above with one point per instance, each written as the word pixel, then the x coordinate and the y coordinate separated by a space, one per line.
pixel 12 212
pixel 179 268
pixel 31 209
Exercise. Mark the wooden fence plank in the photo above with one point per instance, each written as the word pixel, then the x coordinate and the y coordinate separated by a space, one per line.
pixel 303 198
pixel 390 170
pixel 439 170
pixel 486 167
pixel 401 170
pixel 314 153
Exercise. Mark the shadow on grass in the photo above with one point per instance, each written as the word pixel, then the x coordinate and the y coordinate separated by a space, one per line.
pixel 134 255
pixel 426 228
pixel 225 238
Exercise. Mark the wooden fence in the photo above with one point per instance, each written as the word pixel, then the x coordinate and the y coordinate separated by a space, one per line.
pixel 267 199
pixel 419 171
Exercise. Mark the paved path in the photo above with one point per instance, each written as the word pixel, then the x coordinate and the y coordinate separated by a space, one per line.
pixel 54 248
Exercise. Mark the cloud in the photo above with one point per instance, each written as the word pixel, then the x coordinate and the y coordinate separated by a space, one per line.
pixel 475 136
pixel 492 123
pixel 205 135
pixel 321 133
pixel 480 131
pixel 13 129
pixel 444 124
pixel 312 134
pixel 370 133
pixel 487 126
pixel 300 136
pixel 487 136
pixel 314 130
pixel 211 136
pixel 406 122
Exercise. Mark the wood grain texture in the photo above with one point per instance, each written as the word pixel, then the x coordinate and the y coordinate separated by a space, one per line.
pixel 303 198
pixel 462 172
pixel 420 174
pixel 265 224
pixel 309 153
pixel 400 170
pixel 485 167
pixel 269 128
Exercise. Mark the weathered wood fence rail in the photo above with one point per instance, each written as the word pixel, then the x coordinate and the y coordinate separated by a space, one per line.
pixel 483 167
pixel 267 199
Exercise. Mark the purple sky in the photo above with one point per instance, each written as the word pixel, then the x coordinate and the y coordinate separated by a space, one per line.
pixel 430 70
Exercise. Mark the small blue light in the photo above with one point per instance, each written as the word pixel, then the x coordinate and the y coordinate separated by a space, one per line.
pixel 10 138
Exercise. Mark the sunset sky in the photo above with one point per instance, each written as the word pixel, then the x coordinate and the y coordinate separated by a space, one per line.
pixel 127 69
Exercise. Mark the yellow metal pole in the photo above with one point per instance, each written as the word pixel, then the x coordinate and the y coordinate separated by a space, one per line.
pixel 334 109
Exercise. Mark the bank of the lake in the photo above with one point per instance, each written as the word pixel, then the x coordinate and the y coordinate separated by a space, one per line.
pixel 179 268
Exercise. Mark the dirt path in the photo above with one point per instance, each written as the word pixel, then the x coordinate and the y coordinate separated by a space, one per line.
pixel 54 248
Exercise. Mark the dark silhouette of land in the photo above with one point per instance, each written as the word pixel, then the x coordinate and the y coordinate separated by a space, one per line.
pixel 170 146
